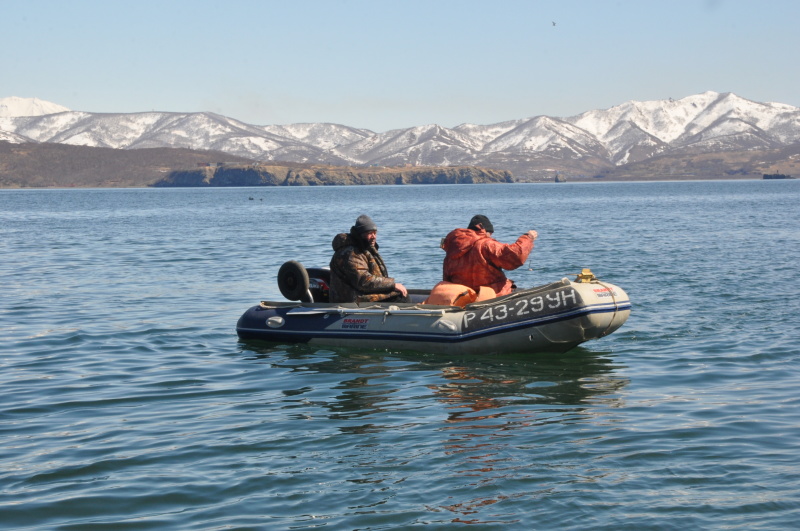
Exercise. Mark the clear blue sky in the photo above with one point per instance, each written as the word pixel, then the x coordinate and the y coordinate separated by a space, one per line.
pixel 386 64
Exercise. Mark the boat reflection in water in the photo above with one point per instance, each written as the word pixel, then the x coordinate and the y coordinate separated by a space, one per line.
pixel 485 421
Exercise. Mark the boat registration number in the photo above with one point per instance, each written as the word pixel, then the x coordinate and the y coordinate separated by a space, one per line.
pixel 520 309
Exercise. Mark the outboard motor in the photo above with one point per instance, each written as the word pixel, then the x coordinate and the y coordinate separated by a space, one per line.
pixel 300 284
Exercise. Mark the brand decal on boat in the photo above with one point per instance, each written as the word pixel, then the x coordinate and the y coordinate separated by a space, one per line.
pixel 521 309
pixel 353 323
pixel 605 292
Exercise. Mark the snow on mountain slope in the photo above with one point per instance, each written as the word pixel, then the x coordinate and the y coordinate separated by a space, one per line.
pixel 16 106
pixel 630 132
pixel 542 134
pixel 323 135
pixel 785 127
pixel 43 128
pixel 627 142
pixel 13 138
pixel 429 144
pixel 694 118
pixel 663 119
pixel 487 133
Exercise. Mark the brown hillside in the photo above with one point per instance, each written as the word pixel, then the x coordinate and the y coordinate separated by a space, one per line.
pixel 60 166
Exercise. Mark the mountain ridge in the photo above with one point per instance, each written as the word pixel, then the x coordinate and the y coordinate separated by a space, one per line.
pixel 595 143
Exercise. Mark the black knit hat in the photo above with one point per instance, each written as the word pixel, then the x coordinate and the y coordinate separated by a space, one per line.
pixel 481 220
pixel 364 224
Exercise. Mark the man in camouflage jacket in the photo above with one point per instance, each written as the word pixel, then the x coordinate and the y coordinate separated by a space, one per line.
pixel 358 273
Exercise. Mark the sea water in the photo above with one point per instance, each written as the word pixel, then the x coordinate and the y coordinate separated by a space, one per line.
pixel 128 401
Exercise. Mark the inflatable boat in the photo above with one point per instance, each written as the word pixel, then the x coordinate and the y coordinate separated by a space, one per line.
pixel 553 317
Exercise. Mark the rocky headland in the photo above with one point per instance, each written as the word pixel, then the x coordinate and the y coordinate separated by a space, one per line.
pixel 322 175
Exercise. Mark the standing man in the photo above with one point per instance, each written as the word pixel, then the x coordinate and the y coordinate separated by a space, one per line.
pixel 475 259
pixel 358 273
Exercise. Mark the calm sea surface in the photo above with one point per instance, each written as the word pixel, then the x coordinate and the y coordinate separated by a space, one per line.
pixel 128 401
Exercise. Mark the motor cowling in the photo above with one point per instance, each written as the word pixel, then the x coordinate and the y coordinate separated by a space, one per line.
pixel 297 283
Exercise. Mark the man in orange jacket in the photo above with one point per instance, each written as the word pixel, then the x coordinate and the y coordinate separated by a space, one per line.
pixel 475 259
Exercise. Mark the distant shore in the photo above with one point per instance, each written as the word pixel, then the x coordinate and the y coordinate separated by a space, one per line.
pixel 279 175
pixel 43 165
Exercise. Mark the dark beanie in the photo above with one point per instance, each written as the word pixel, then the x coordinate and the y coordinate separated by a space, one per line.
pixel 364 224
pixel 481 220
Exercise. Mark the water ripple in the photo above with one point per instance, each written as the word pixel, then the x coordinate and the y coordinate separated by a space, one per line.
pixel 128 401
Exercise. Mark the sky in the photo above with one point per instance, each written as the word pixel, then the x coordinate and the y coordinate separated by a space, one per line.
pixel 391 64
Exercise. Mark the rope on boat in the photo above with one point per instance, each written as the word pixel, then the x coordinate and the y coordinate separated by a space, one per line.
pixel 616 308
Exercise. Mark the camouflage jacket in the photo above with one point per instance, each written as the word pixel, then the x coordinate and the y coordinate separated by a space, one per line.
pixel 358 273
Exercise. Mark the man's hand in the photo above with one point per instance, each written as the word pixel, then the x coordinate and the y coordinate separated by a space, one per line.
pixel 533 234
pixel 401 288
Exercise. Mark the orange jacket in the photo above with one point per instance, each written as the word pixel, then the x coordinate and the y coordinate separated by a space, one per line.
pixel 475 259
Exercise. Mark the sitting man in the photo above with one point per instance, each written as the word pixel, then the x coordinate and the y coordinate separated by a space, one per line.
pixel 358 273
pixel 474 259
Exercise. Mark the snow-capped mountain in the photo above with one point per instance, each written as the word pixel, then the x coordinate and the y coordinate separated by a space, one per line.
pixel 429 145
pixel 16 106
pixel 631 132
